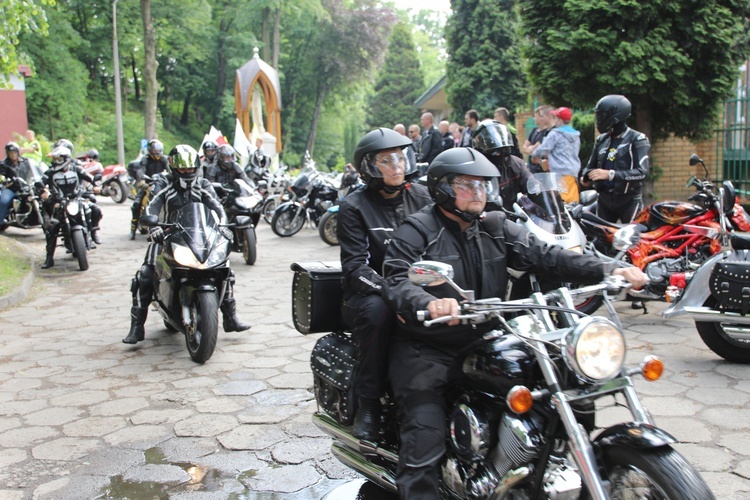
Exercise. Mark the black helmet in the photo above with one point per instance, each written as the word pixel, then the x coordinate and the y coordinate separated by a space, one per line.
pixel 492 138
pixel 455 162
pixel 12 146
pixel 64 143
pixel 374 141
pixel 226 155
pixel 60 157
pixel 210 146
pixel 156 149
pixel 182 164
pixel 610 111
pixel 93 154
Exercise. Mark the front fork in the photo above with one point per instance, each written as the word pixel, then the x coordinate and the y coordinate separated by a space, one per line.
pixel 186 295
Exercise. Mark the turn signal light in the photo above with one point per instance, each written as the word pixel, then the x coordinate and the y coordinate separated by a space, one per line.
pixel 652 368
pixel 519 399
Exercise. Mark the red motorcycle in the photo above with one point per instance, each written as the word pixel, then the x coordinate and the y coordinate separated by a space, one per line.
pixel 667 237
pixel 110 178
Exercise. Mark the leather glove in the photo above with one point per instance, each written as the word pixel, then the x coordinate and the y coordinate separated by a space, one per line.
pixel 142 185
pixel 156 234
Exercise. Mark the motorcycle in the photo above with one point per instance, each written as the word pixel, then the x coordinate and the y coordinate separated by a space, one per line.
pixel 242 203
pixel 69 210
pixel 522 418
pixel 25 211
pixel 328 225
pixel 312 194
pixel 190 276
pixel 157 182
pixel 272 185
pixel 543 213
pixel 110 179
pixel 666 237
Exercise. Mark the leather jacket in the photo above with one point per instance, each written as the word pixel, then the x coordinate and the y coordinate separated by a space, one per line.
pixel 66 181
pixel 12 170
pixel 225 176
pixel 169 200
pixel 366 222
pixel 149 166
pixel 480 257
pixel 630 162
pixel 514 176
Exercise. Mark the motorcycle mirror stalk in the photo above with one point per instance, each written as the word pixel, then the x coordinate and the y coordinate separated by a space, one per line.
pixel 431 273
pixel 695 160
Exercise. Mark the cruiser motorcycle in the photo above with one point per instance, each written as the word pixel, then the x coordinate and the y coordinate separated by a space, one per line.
pixel 190 276
pixel 25 211
pixel 242 204
pixel 522 420
pixel 667 237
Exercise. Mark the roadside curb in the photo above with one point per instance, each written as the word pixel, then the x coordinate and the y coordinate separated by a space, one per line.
pixel 22 291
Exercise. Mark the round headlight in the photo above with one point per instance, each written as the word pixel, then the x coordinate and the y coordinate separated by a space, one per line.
pixel 594 349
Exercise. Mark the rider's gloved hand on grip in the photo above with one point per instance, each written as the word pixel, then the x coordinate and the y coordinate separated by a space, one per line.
pixel 156 234
pixel 142 185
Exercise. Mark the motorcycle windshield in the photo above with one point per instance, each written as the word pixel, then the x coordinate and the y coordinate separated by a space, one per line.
pixel 543 203
pixel 243 188
pixel 199 229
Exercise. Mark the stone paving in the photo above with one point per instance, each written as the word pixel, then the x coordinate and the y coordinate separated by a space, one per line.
pixel 84 416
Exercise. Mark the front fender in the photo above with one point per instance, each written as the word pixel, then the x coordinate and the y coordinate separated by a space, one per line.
pixel 697 290
pixel 243 222
pixel 634 435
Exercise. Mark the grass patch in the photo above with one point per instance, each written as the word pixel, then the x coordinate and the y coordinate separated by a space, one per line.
pixel 14 265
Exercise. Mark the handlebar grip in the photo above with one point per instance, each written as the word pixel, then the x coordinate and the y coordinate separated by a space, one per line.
pixel 423 315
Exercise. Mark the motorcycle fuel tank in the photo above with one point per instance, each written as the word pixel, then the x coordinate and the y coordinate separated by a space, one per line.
pixel 499 365
pixel 671 213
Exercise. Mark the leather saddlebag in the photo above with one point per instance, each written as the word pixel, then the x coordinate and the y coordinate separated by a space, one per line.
pixel 316 297
pixel 333 362
pixel 730 285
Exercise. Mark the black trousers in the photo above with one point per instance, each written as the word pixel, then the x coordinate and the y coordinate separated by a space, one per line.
pixel 613 207
pixel 420 375
pixel 371 322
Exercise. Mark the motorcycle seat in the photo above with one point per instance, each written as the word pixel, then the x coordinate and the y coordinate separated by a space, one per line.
pixel 741 241
pixel 598 220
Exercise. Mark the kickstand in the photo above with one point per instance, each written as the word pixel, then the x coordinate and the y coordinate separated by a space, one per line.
pixel 637 304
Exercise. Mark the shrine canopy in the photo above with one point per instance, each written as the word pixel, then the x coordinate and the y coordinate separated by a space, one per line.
pixel 257 71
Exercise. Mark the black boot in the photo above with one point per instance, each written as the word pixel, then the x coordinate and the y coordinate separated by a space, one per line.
pixel 137 320
pixel 231 322
pixel 95 236
pixel 48 262
pixel 367 420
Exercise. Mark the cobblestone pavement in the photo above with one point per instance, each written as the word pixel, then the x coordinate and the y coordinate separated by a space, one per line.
pixel 84 416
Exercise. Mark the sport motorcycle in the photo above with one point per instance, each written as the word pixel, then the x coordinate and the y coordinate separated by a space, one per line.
pixel 190 276
pixel 242 204
pixel 522 418
pixel 112 179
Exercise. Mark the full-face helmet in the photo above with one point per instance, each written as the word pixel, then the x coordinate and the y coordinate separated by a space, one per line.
pixel 60 158
pixel 225 156
pixel 93 154
pixel 182 160
pixel 611 112
pixel 155 149
pixel 493 140
pixel 209 150
pixel 64 143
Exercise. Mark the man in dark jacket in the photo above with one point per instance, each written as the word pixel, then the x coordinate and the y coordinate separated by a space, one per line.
pixel 367 219
pixel 153 163
pixel 431 144
pixel 480 248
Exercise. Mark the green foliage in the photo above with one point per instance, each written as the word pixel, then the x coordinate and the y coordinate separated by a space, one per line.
pixel 675 61
pixel 18 18
pixel 429 40
pixel 399 83
pixel 484 68
pixel 584 123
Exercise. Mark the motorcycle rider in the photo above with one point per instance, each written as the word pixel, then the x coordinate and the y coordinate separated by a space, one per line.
pixel 225 169
pixel 367 218
pixel 480 246
pixel 151 164
pixel 65 177
pixel 259 162
pixel 495 142
pixel 11 167
pixel 186 187
pixel 209 156
pixel 619 162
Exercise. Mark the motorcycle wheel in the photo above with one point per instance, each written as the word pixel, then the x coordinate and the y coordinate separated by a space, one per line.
pixel 249 246
pixel 285 221
pixel 269 207
pixel 327 228
pixel 590 305
pixel 201 336
pixel 118 191
pixel 719 341
pixel 79 249
pixel 656 473
pixel 169 326
pixel 3 227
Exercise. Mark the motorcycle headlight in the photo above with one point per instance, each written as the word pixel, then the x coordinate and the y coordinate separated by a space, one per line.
pixel 185 257
pixel 594 349
pixel 218 254
pixel 248 201
pixel 72 208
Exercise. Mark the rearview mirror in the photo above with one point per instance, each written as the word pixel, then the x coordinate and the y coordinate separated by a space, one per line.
pixel 430 273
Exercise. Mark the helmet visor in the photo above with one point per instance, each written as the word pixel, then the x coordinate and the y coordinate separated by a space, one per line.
pixel 389 164
pixel 467 188
pixel 491 137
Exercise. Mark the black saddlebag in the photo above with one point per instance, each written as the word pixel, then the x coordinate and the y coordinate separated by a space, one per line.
pixel 730 283
pixel 333 361
pixel 316 297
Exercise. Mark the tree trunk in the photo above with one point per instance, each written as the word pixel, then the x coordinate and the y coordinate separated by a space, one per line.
pixel 149 70
pixel 265 37
pixel 185 110
pixel 276 38
pixel 137 87
pixel 316 115
pixel 221 61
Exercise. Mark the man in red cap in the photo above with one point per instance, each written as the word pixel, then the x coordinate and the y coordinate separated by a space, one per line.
pixel 558 153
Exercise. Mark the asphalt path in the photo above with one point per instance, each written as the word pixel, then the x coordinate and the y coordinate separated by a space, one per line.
pixel 83 415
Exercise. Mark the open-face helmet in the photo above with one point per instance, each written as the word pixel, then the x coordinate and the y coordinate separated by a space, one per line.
pixel 366 152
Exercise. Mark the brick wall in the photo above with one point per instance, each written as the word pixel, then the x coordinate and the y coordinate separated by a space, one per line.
pixel 672 155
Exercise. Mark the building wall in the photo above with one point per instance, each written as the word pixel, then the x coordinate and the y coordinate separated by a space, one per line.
pixel 672 155
pixel 13 117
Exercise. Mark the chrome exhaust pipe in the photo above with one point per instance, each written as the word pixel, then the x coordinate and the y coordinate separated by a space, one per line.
pixel 342 434
pixel 710 315
pixel 375 473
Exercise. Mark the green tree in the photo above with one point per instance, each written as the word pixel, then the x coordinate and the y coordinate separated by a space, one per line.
pixel 675 61
pixel 484 69
pixel 429 40
pixel 399 84
pixel 19 17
